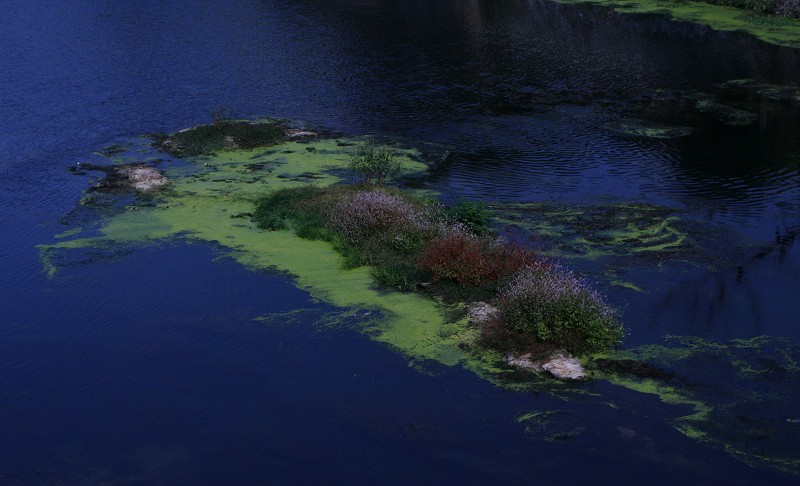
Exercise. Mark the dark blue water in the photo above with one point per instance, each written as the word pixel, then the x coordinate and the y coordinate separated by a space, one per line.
pixel 147 366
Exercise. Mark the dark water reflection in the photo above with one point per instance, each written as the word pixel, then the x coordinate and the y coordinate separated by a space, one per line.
pixel 148 367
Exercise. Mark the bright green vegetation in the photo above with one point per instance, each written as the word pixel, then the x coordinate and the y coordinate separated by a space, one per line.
pixel 473 215
pixel 775 30
pixel 384 238
pixel 211 199
pixel 785 8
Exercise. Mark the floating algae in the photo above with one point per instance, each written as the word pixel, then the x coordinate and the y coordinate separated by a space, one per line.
pixel 622 231
pixel 781 31
pixel 740 392
pixel 551 425
pixel 727 115
pixel 743 88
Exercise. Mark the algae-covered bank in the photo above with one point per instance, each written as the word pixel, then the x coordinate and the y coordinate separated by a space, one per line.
pixel 210 197
pixel 779 30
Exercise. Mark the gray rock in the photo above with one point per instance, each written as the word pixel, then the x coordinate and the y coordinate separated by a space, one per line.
pixel 481 312
pixel 142 178
pixel 294 133
pixel 560 364
pixel 564 367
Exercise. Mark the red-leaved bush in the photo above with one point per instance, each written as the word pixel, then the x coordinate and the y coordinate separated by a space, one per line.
pixel 470 260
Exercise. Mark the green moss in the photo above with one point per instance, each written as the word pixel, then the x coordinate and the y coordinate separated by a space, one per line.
pixel 780 31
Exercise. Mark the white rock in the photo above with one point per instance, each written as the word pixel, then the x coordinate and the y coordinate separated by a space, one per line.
pixel 481 312
pixel 294 133
pixel 143 178
pixel 564 367
pixel 524 361
pixel 560 364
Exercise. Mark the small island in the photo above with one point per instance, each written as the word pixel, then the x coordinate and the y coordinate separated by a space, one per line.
pixel 539 311
pixel 533 311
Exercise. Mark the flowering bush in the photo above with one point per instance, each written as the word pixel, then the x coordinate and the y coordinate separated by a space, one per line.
pixel 551 304
pixel 471 260
pixel 378 215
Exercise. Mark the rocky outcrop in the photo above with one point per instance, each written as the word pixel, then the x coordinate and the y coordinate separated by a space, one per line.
pixel 142 178
pixel 564 367
pixel 482 313
pixel 560 364
pixel 124 178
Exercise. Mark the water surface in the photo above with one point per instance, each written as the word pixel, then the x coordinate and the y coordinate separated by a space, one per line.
pixel 145 365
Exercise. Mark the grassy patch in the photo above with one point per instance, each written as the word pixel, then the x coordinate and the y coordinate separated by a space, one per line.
pixel 223 135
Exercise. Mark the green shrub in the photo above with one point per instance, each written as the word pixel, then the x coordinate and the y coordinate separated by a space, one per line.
pixel 374 166
pixel 224 135
pixel 290 207
pixel 403 276
pixel 471 214
pixel 550 304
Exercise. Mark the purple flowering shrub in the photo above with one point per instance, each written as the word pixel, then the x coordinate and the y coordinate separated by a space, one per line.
pixel 377 217
pixel 550 304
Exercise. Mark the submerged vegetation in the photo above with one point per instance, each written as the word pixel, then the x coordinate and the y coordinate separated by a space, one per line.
pixel 736 390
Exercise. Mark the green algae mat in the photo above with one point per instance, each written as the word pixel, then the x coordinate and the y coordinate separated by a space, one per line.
pixel 782 31
pixel 211 198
